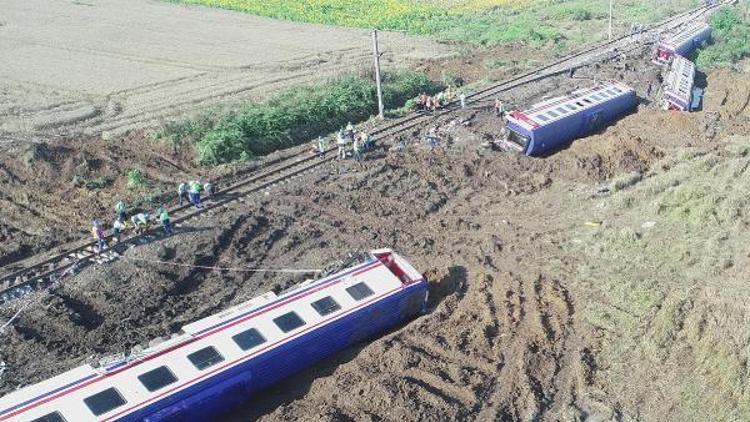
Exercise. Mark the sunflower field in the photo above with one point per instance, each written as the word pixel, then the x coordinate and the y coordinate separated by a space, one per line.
pixel 483 22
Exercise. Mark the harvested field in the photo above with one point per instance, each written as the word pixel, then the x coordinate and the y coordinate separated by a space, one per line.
pixel 145 61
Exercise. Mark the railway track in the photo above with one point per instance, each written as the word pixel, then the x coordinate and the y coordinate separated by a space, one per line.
pixel 35 272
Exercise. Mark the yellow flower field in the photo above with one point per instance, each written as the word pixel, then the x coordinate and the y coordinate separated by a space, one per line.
pixel 487 22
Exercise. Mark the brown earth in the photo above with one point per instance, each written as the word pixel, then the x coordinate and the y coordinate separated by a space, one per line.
pixel 548 292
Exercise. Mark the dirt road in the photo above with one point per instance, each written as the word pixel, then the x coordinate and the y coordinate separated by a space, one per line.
pixel 108 65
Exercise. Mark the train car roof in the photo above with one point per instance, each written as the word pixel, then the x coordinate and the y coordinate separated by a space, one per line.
pixel 680 78
pixel 552 110
pixel 680 38
pixel 74 384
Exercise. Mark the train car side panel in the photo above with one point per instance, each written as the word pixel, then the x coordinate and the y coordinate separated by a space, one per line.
pixel 209 398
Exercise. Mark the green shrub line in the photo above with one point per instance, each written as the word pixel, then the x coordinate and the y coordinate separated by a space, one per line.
pixel 731 38
pixel 291 117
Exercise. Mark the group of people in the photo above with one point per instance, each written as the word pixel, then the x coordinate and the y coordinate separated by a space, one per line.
pixel 191 192
pixel 186 191
pixel 347 139
pixel 435 102
pixel 140 222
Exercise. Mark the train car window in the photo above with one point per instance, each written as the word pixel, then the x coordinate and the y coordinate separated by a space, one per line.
pixel 157 378
pixel 103 402
pixel 561 110
pixel 542 117
pixel 586 100
pixel 288 322
pixel 50 417
pixel 205 357
pixel 596 97
pixel 617 90
pixel 359 291
pixel 553 114
pixel 570 107
pixel 246 340
pixel 325 306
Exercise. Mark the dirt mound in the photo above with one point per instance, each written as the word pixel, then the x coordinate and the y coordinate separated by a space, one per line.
pixel 600 157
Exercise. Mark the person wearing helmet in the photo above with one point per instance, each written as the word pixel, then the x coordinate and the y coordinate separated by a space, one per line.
pixel 120 210
pixel 166 223
pixel 182 192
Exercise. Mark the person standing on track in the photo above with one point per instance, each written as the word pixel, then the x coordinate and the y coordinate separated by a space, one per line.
pixel 367 141
pixel 120 210
pixel 209 188
pixel 99 237
pixel 195 193
pixel 322 147
pixel 341 143
pixel 182 193
pixel 118 227
pixel 462 98
pixel 357 152
pixel 166 223
pixel 350 130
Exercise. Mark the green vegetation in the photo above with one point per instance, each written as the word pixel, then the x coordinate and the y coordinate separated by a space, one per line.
pixel 294 116
pixel 136 179
pixel 731 38
pixel 485 22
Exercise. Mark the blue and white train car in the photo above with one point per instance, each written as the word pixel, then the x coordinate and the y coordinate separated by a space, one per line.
pixel 552 124
pixel 221 361
pixel 683 43
pixel 677 90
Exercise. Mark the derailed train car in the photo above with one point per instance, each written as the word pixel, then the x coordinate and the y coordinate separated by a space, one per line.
pixel 683 43
pixel 552 124
pixel 222 360
pixel 677 90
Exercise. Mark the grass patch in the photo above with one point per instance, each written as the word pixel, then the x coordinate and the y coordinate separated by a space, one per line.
pixel 485 22
pixel 731 38
pixel 136 179
pixel 291 117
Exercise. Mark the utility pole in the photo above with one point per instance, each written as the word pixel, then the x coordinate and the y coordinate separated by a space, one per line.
pixel 376 54
pixel 610 20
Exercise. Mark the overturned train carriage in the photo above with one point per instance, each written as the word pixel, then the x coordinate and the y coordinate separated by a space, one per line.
pixel 683 43
pixel 552 124
pixel 677 90
pixel 221 361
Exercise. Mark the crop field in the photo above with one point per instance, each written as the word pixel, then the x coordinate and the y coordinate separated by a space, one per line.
pixel 485 22
pixel 60 74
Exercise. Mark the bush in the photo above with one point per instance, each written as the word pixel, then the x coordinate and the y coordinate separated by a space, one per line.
pixel 136 179
pixel 293 116
pixel 731 40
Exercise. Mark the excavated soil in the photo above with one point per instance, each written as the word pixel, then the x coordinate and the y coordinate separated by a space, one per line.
pixel 512 330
